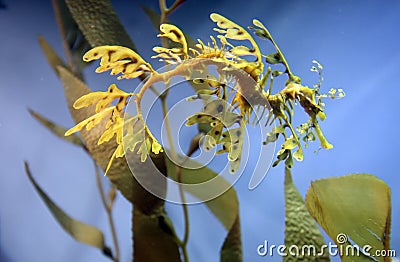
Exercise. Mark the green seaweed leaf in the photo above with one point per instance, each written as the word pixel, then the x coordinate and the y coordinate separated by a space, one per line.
pixel 225 207
pixel 75 44
pixel 231 250
pixel 81 232
pixel 355 207
pixel 301 229
pixel 120 175
pixel 153 238
pixel 153 16
pixel 99 23
pixel 52 58
pixel 57 130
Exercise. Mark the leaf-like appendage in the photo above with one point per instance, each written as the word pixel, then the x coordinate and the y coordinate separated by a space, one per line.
pixel 273 58
pixel 115 121
pixel 298 155
pixel 212 136
pixel 233 31
pixel 115 128
pixel 353 208
pixel 171 55
pixel 119 173
pixel 236 138
pixel 103 99
pixel 216 117
pixel 261 30
pixel 121 60
pixel 241 51
pixel 91 121
pixel 174 33
pixel 290 143
pixel 324 142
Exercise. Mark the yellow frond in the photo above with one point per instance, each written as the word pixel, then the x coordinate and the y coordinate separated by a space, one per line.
pixel 233 31
pixel 144 149
pixel 115 129
pixel 91 121
pixel 174 34
pixel 234 165
pixel 119 152
pixel 236 138
pixel 88 100
pixel 110 95
pixel 242 51
pixel 156 148
pixel 118 59
pixel 168 54
pixel 132 139
pixel 222 22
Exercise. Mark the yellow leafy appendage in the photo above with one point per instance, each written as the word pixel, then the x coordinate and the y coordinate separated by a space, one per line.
pixel 113 115
pixel 120 60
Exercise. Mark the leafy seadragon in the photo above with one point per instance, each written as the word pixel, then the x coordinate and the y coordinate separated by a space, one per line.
pixel 238 62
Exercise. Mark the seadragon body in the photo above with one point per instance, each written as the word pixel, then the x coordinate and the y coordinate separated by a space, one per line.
pixel 242 63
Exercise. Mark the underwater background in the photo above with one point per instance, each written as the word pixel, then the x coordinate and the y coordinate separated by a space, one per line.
pixel 355 41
